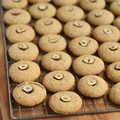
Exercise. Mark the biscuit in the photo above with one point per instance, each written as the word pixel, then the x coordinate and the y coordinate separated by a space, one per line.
pixel 83 46
pixel 57 60
pixel 58 81
pixel 23 51
pixel 65 102
pixel 52 42
pixel 113 71
pixel 29 93
pixel 100 17
pixel 24 71
pixel 16 15
pixel 9 4
pixel 115 8
pixel 38 1
pixel 92 86
pixel 69 13
pixel 106 33
pixel 89 5
pixel 77 29
pixel 64 2
pixel 41 10
pixel 20 33
pixel 114 93
pixel 48 26
pixel 88 65
pixel 109 52
pixel 117 22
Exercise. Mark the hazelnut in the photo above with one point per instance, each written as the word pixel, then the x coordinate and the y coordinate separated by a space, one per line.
pixel 56 57
pixel 88 60
pixel 92 82
pixel 113 47
pixel 107 31
pixel 83 43
pixel 16 0
pixel 48 22
pixel 23 46
pixel 66 98
pixel 23 67
pixel 69 8
pixel 99 14
pixel 117 66
pixel 15 13
pixel 58 76
pixel 27 89
pixel 77 24
pixel 20 30
pixel 93 0
pixel 42 7
pixel 53 40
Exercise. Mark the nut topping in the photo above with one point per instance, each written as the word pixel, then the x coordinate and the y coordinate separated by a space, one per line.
pixel 42 7
pixel 15 13
pixel 16 0
pixel 68 8
pixel 23 67
pixel 113 47
pixel 53 40
pixel 48 22
pixel 99 14
pixel 20 30
pixel 117 67
pixel 23 46
pixel 66 98
pixel 93 0
pixel 92 82
pixel 83 43
pixel 58 76
pixel 88 60
pixel 77 24
pixel 107 31
pixel 27 89
pixel 56 57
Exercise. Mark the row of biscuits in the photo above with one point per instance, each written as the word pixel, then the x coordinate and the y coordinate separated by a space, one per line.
pixel 31 68
pixel 83 65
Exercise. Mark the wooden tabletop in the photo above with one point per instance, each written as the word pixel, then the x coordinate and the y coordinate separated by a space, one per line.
pixel 4 102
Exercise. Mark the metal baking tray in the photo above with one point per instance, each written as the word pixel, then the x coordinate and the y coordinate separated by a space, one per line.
pixel 89 106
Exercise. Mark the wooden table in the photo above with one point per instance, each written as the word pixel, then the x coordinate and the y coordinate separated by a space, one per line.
pixel 4 103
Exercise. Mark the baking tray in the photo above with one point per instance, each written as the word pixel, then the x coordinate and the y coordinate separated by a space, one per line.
pixel 89 106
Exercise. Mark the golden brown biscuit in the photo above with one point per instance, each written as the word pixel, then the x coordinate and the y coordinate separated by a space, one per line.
pixel 23 51
pixel 20 33
pixel 16 16
pixel 57 60
pixel 9 4
pixel 24 71
pixel 92 86
pixel 29 93
pixel 65 102
pixel 88 65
